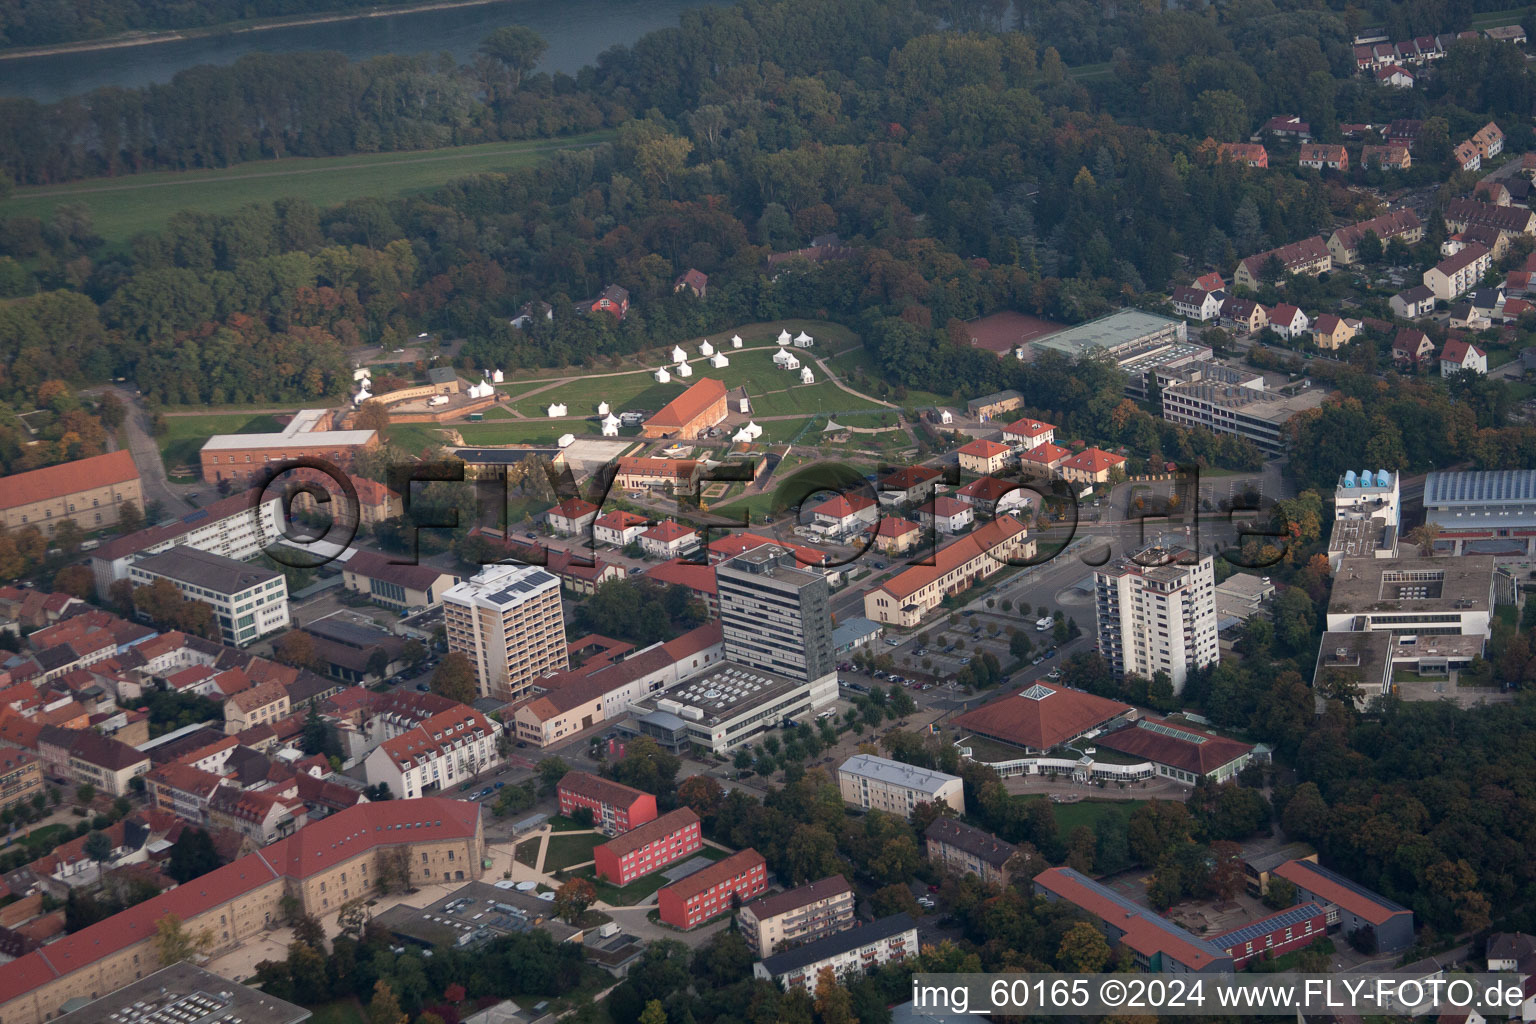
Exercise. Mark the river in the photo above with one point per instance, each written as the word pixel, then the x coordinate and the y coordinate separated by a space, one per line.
pixel 576 30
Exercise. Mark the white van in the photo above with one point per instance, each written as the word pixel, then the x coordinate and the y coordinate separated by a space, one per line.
pixel 1041 625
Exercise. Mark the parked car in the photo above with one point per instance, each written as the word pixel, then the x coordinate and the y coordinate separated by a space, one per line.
pixel 421 687
pixel 965 661
pixel 892 642
pixel 500 784
pixel 1054 673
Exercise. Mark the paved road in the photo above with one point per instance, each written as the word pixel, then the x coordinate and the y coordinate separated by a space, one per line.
pixel 146 457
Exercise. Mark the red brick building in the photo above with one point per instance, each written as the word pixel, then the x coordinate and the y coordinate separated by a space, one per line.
pixel 707 894
pixel 648 848
pixel 615 808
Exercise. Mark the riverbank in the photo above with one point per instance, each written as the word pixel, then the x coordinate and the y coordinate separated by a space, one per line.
pixel 131 39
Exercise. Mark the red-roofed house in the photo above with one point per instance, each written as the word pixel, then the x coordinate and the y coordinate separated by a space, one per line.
pixel 88 491
pixel 1317 156
pixel 946 514
pixel 895 537
pixel 695 281
pixel 1022 435
pixel 1350 906
pixel 1462 355
pixel 984 457
pixel 572 517
pixel 1332 332
pixel 436 755
pixel 1213 282
pixel 1157 945
pixel 845 515
pixel 619 528
pixel 1044 460
pixel 669 539
pixel 909 484
pixel 401 588
pixel 1412 348
pixel 1252 154
pixel 649 848
pixel 990 496
pixel 1091 466
pixel 1394 75
pixel 1288 321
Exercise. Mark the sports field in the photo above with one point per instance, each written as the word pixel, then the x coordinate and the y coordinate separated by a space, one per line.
pixel 122 207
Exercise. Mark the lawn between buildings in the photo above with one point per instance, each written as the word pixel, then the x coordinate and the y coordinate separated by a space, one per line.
pixel 641 888
pixel 185 436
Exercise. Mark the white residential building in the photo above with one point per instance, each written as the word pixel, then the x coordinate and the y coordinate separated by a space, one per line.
pixel 848 954
pixel 1156 612
pixel 1453 277
pixel 435 756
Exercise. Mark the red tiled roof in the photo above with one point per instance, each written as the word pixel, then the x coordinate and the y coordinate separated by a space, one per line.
pixel 67 478
pixel 890 526
pixel 1095 460
pixel 843 506
pixel 595 787
pixel 1456 351
pixel 812 892
pixel 573 508
pixel 692 575
pixel 952 556
pixel 690 405
pixel 984 449
pixel 720 871
pixel 987 488
pixel 1045 454
pixel 656 828
pixel 669 530
pixel 1145 932
pixel 1028 428
pixel 1354 898
pixel 1200 754
pixel 907 477
pixel 1050 716
pixel 943 506
pixel 1283 313
pixel 621 520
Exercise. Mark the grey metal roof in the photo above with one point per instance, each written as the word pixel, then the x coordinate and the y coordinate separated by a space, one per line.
pixel 203 569
pixel 853 630
pixel 896 773
pixel 1479 487
pixel 833 945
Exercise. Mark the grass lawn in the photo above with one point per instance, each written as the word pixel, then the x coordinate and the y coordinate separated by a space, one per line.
pixel 341 1011
pixel 414 436
pixel 1089 812
pixel 560 823
pixel 563 851
pixel 524 431
pixel 186 435
pixel 527 852
pixel 47 837
pixel 1491 19
pixel 122 207
pixel 845 363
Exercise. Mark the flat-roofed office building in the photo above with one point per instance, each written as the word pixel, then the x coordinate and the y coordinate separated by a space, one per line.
pixel 776 616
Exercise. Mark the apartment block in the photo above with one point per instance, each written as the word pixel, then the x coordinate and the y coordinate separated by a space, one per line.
pixel 508 621
pixel 648 848
pixel 717 889
pixel 616 808
pixel 880 784
pixel 811 912
pixel 1157 613
pixel 248 602
pixel 847 954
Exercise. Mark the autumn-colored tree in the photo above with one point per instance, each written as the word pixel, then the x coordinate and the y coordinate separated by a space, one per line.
pixel 371 415
pixel 297 648
pixel 75 580
pixel 385 1006
pixel 573 898
pixel 1228 877
pixel 834 1003
pixel 1082 949
pixel 654 1013
pixel 455 678
pixel 700 793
